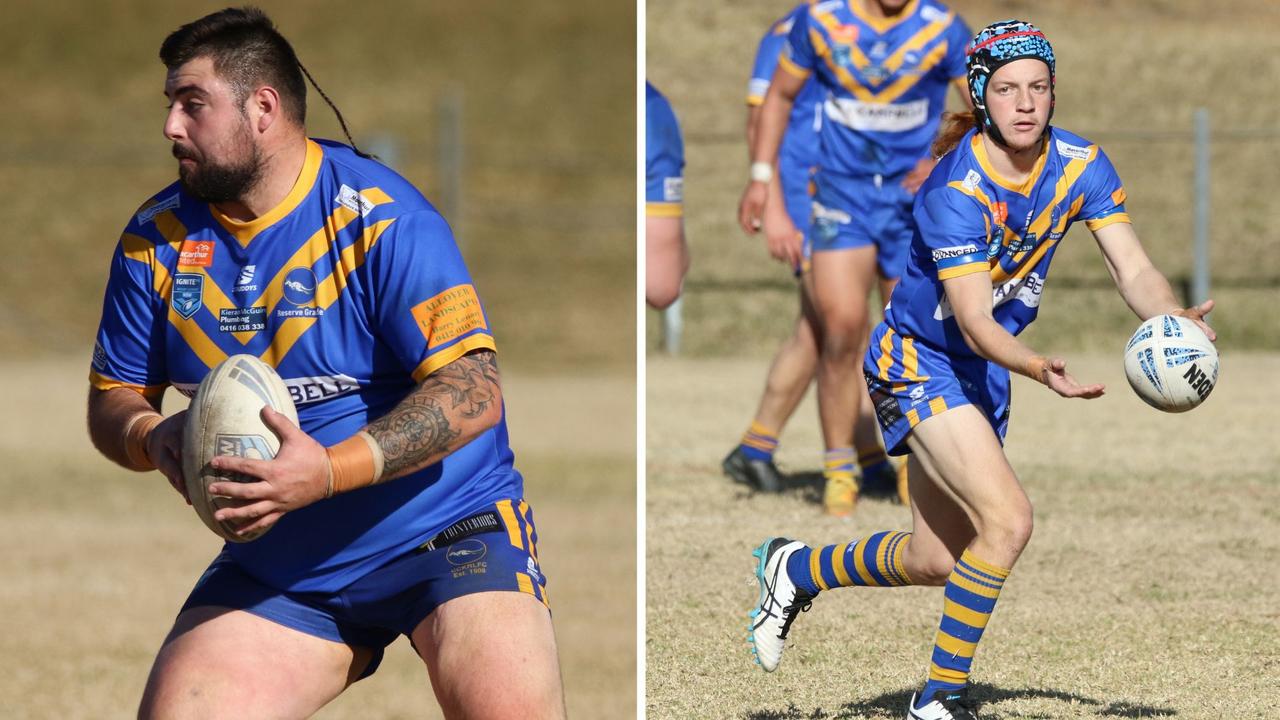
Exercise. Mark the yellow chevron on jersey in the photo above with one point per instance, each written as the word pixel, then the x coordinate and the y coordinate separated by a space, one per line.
pixel 886 80
pixel 971 220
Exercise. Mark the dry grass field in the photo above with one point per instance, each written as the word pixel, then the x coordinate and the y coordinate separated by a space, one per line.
pixel 97 560
pixel 1148 591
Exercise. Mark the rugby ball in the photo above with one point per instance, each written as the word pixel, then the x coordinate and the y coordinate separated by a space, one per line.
pixel 1171 364
pixel 224 419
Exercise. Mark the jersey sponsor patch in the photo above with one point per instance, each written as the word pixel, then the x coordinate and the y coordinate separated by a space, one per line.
pixel 250 319
pixel 352 200
pixel 956 251
pixel 1075 152
pixel 188 294
pixel 673 189
pixel 878 117
pixel 972 180
pixel 169 203
pixel 306 390
pixel 99 357
pixel 196 253
pixel 449 315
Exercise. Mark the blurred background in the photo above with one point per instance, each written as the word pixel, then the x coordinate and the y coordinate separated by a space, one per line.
pixel 518 122
pixel 1131 77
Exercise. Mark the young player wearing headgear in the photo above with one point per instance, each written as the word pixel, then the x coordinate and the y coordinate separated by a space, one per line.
pixel 989 219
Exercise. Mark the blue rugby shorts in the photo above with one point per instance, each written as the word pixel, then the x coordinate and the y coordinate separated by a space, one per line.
pixel 495 550
pixel 909 381
pixel 852 212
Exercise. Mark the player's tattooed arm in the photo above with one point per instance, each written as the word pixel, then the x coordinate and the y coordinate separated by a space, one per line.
pixel 448 409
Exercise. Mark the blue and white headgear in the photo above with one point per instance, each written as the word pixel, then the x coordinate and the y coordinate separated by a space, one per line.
pixel 995 46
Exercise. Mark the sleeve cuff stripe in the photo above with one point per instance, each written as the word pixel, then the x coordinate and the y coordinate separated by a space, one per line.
pixel 101 382
pixel 787 64
pixel 443 357
pixel 660 209
pixel 962 270
pixel 1099 223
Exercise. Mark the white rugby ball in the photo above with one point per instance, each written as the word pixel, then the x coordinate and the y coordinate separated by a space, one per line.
pixel 1171 364
pixel 224 419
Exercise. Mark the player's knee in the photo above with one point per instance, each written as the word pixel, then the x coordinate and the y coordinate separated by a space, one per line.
pixel 1009 526
pixel 842 341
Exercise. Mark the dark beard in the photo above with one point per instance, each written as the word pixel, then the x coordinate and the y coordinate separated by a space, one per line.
pixel 221 183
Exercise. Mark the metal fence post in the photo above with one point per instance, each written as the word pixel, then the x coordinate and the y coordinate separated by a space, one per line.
pixel 1200 259
pixel 672 326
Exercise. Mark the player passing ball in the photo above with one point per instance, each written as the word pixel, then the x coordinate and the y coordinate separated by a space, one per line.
pixel 989 218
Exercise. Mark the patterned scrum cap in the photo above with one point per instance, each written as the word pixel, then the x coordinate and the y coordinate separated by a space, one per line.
pixel 995 46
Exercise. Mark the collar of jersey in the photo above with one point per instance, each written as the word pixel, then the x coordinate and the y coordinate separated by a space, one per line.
pixel 1025 188
pixel 881 25
pixel 244 231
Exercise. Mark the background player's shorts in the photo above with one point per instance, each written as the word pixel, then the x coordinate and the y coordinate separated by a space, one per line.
pixel 909 381
pixel 851 212
pixel 494 550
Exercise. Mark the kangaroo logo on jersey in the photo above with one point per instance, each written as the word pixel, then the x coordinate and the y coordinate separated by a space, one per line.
pixel 188 294
pixel 300 286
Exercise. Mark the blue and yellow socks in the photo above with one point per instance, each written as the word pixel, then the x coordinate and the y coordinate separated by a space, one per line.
pixel 759 442
pixel 971 593
pixel 839 462
pixel 874 561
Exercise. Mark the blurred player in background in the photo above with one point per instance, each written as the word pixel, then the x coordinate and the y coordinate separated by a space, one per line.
pixel 666 254
pixel 989 219
pixel 882 68
pixel 786 217
pixel 395 507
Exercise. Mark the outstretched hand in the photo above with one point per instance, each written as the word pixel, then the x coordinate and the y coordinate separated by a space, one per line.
pixel 1061 382
pixel 296 477
pixel 1196 314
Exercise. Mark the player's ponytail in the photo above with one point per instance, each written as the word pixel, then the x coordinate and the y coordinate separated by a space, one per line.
pixel 955 125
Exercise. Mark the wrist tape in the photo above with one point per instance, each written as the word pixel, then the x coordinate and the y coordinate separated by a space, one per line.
pixel 136 432
pixel 354 463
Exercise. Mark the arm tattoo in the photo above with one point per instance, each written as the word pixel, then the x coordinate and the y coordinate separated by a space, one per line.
pixel 428 421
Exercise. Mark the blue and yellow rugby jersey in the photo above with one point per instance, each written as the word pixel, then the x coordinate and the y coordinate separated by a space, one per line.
pixel 354 290
pixel 971 220
pixel 664 157
pixel 799 150
pixel 885 81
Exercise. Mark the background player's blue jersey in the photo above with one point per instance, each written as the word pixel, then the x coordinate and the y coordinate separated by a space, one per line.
pixel 884 81
pixel 664 157
pixel 799 150
pixel 971 220
pixel 354 290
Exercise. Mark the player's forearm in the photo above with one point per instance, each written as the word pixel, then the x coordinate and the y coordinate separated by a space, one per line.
pixel 1148 293
pixel 991 340
pixel 118 421
pixel 447 410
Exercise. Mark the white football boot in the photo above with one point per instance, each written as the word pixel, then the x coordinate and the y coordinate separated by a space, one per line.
pixel 945 705
pixel 780 601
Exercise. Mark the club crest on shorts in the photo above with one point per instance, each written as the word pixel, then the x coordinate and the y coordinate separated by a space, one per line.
pixel 466 551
